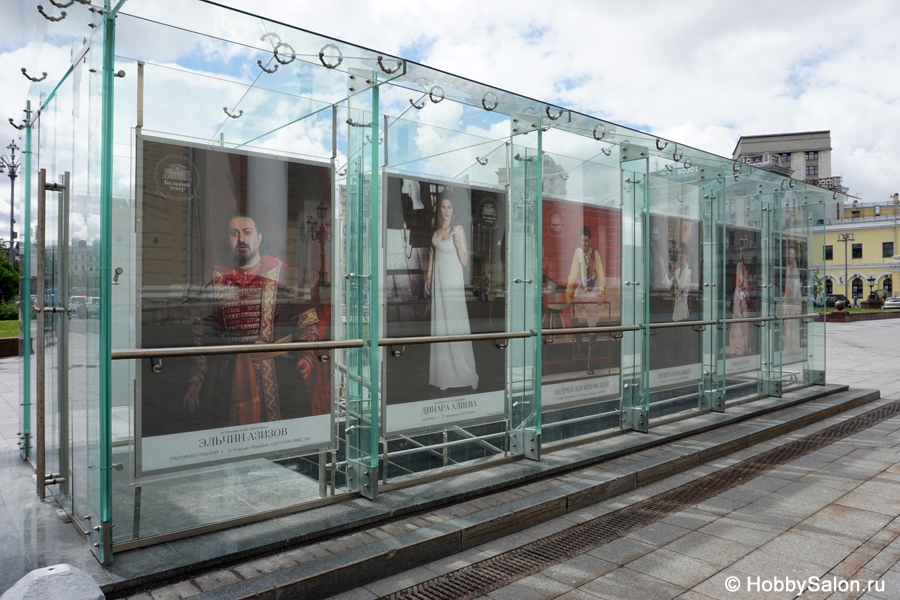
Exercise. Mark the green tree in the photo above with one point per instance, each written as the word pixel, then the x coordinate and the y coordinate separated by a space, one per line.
pixel 9 276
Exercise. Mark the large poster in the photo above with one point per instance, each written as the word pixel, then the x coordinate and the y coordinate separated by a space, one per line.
pixel 234 250
pixel 794 295
pixel 743 296
pixel 674 296
pixel 581 270
pixel 445 275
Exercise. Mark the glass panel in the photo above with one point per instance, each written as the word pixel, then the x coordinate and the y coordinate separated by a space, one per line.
pixel 26 302
pixel 636 234
pixel 581 282
pixel 524 353
pixel 744 293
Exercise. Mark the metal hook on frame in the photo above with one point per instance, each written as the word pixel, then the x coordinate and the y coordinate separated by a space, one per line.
pixel 564 176
pixel 325 356
pixel 687 163
pixel 116 273
pixel 19 127
pixel 62 14
pixel 36 79
pixel 501 343
pixel 353 123
pixel 759 324
pixel 293 54
pixel 322 56
pixel 261 66
pixel 495 99
pixel 481 161
pixel 233 116
pixel 418 106
pixel 669 168
pixel 432 91
pixel 519 158
pixel 398 353
pixel 677 154
pixel 551 117
pixel 616 335
pixel 156 364
pixel 385 69
pixel 548 340
pixel 607 151
pixel 61 5
pixel 698 328
pixel 602 133
pixel 663 146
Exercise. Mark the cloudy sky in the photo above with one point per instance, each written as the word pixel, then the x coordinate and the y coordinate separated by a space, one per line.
pixel 702 73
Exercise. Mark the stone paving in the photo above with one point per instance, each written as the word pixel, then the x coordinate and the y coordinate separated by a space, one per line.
pixel 829 520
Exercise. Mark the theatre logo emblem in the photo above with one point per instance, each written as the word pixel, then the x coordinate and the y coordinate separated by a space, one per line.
pixel 175 178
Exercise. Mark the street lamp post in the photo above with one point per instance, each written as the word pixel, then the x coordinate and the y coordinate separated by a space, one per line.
pixel 10 164
pixel 845 237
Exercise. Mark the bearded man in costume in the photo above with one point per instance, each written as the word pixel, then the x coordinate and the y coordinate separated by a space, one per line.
pixel 254 306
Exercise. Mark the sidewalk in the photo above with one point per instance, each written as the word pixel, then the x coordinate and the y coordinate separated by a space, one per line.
pixel 37 537
pixel 826 525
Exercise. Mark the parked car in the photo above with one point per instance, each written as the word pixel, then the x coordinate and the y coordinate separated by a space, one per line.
pixel 891 303
pixel 92 306
pixel 830 299
pixel 77 306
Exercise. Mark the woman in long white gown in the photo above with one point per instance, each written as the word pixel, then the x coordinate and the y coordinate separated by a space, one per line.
pixel 792 302
pixel 681 286
pixel 452 363
pixel 739 340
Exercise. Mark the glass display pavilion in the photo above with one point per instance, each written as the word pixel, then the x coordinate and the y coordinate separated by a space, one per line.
pixel 272 270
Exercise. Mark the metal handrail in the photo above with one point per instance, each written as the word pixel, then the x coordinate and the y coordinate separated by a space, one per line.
pixel 577 330
pixel 750 320
pixel 806 316
pixel 232 349
pixel 437 339
pixel 678 324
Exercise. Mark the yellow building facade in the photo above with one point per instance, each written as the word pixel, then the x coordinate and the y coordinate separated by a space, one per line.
pixel 862 254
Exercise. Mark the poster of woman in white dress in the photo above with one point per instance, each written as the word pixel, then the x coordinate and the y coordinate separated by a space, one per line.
pixel 674 259
pixel 445 275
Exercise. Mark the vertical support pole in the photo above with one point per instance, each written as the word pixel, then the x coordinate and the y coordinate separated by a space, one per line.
pixel 105 358
pixel 63 341
pixel 40 440
pixel 25 296
pixel 369 480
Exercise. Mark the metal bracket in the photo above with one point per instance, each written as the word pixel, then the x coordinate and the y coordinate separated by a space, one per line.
pixel 156 364
pixel 636 419
pixel 493 96
pixel 62 5
pixel 525 443
pixel 501 344
pixel 713 400
pixel 62 15
pixel 550 116
pixel 362 479
pixel 116 273
pixel 481 161
pixel 385 69
pixel 418 106
pixel 322 56
pixel 432 95
pixel 239 114
pixel 398 353
pixel 19 127
pixel 293 54
pixel 677 154
pixel 270 71
pixel 602 133
pixel 661 145
pixel 773 387
pixel 815 376
pixel 36 79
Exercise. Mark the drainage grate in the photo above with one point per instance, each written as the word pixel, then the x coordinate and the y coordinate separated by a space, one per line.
pixel 503 569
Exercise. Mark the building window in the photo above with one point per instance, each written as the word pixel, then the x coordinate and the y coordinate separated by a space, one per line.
pixel 857 251
pixel 785 158
pixel 812 170
pixel 829 253
pixel 829 286
pixel 812 156
pixel 887 249
pixel 888 286
pixel 857 287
